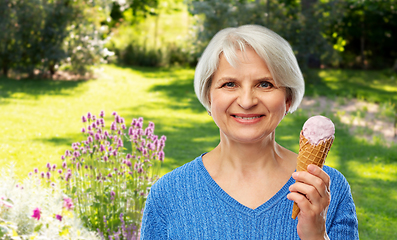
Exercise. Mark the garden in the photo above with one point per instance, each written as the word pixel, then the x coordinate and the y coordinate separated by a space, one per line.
pixel 80 151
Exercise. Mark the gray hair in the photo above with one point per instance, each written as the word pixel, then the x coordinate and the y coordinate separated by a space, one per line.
pixel 272 48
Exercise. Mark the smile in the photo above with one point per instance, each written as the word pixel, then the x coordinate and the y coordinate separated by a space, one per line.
pixel 246 118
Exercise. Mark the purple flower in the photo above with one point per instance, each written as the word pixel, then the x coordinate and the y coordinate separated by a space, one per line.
pixel 161 156
pixel 120 142
pixel 110 175
pixel 114 113
pixel 113 127
pixel 76 154
pixel 133 123
pixel 151 125
pixel 102 148
pixel 122 120
pixel 54 167
pixel 58 217
pixel 83 130
pixel 60 171
pixel 117 119
pixel 89 115
pixel 93 125
pixel 123 127
pixel 102 114
pixel 63 157
pixel 67 153
pixel 112 193
pixel 128 156
pixel 64 165
pixel 68 203
pixel 36 213
pixel 68 175
pixel 105 158
pixel 83 119
pixel 42 174
pixel 89 139
pixel 48 166
pixel 48 175
pixel 97 137
pixel 128 163
pixel 36 170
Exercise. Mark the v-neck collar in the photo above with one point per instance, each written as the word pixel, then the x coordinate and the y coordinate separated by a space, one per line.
pixel 280 195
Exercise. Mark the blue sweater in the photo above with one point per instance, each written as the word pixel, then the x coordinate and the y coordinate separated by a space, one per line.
pixel 188 204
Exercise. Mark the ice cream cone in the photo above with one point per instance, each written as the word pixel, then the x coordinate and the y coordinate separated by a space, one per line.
pixel 310 154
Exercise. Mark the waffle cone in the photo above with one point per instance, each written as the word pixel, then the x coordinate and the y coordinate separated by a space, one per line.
pixel 310 154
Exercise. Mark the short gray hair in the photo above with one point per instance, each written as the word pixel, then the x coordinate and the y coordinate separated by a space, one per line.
pixel 272 48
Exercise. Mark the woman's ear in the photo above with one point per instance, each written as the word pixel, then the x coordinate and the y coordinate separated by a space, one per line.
pixel 287 104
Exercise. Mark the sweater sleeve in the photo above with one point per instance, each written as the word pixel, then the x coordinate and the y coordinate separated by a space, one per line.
pixel 153 223
pixel 343 221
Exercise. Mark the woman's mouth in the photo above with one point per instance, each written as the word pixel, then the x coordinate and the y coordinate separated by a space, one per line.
pixel 247 118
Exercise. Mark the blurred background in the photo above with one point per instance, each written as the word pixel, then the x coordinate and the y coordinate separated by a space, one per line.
pixel 63 58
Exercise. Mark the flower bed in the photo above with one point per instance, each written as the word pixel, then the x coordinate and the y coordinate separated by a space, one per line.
pixel 99 186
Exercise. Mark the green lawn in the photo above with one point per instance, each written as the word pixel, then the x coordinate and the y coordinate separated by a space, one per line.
pixel 42 118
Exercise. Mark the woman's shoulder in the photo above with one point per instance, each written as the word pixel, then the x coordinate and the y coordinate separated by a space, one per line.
pixel 334 173
pixel 339 185
pixel 179 176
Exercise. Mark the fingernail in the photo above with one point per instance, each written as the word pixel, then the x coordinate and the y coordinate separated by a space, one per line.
pixel 295 174
pixel 311 168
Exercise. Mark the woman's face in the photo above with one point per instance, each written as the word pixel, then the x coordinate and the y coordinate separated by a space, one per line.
pixel 245 103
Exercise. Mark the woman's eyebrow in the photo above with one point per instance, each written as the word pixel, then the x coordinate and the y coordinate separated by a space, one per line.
pixel 265 79
pixel 226 79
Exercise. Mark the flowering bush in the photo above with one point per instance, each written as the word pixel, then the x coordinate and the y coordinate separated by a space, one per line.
pixel 109 186
pixel 30 210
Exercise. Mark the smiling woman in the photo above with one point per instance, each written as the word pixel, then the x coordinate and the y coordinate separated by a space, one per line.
pixel 248 79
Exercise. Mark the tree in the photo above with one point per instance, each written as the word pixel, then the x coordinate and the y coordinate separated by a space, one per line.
pixel 44 34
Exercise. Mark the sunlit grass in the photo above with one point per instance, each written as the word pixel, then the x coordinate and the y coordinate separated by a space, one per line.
pixel 42 118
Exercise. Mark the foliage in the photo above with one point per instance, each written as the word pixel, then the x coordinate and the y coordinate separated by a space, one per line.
pixel 300 26
pixel 321 32
pixel 44 35
pixel 369 30
pixel 108 186
pixel 29 211
pixel 162 39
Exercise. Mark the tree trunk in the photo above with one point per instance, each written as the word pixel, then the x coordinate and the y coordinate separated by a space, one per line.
pixel 362 46
pixel 5 70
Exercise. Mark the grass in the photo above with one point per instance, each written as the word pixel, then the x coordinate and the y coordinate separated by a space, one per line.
pixel 373 86
pixel 41 118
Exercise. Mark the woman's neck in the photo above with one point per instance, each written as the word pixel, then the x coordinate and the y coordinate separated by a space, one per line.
pixel 248 158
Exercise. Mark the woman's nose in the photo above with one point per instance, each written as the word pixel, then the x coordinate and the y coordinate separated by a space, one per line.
pixel 247 99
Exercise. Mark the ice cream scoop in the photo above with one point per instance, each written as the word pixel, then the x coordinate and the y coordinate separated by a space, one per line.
pixel 318 128
pixel 315 142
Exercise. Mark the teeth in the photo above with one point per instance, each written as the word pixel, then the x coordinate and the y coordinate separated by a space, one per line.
pixel 249 118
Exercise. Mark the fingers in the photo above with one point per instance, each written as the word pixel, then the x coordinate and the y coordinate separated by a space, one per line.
pixel 311 190
pixel 314 179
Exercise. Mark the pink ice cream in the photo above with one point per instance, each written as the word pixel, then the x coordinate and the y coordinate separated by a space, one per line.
pixel 318 128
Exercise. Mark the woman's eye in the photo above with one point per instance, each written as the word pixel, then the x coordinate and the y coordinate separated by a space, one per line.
pixel 229 84
pixel 266 85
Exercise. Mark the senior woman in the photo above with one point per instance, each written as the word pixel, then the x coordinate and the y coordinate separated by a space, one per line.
pixel 248 79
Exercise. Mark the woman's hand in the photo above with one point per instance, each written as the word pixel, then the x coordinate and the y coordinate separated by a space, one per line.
pixel 311 193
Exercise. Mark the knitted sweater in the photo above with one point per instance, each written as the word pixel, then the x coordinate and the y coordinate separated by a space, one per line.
pixel 188 204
